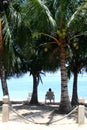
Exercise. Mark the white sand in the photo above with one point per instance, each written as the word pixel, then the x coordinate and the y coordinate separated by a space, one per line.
pixel 22 126
pixel 40 115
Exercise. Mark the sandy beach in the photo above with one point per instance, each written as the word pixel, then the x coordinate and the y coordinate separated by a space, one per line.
pixel 43 116
pixel 22 126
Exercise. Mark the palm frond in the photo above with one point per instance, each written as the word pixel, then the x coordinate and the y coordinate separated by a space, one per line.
pixel 78 21
pixel 39 15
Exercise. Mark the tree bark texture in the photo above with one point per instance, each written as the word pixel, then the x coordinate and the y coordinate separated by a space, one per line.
pixel 74 93
pixel 3 81
pixel 65 105
pixel 34 98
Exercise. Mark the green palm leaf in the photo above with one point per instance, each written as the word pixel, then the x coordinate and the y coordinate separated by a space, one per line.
pixel 78 21
pixel 35 10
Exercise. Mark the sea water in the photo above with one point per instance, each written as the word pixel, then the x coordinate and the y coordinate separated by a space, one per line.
pixel 20 87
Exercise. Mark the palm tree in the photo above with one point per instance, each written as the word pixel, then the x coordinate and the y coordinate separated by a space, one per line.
pixel 39 62
pixel 3 7
pixel 55 27
pixel 8 59
pixel 78 46
pixel 35 55
pixel 77 63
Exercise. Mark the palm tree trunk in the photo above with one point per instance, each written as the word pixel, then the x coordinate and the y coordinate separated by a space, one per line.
pixel 74 94
pixel 1 39
pixel 65 105
pixel 2 70
pixel 3 82
pixel 34 98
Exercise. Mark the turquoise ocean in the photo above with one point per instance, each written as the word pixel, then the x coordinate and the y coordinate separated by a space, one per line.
pixel 20 87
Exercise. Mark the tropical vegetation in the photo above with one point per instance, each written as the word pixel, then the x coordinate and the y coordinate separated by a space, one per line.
pixel 44 36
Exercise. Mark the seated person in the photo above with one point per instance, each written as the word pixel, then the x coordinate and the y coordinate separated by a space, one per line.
pixel 49 95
